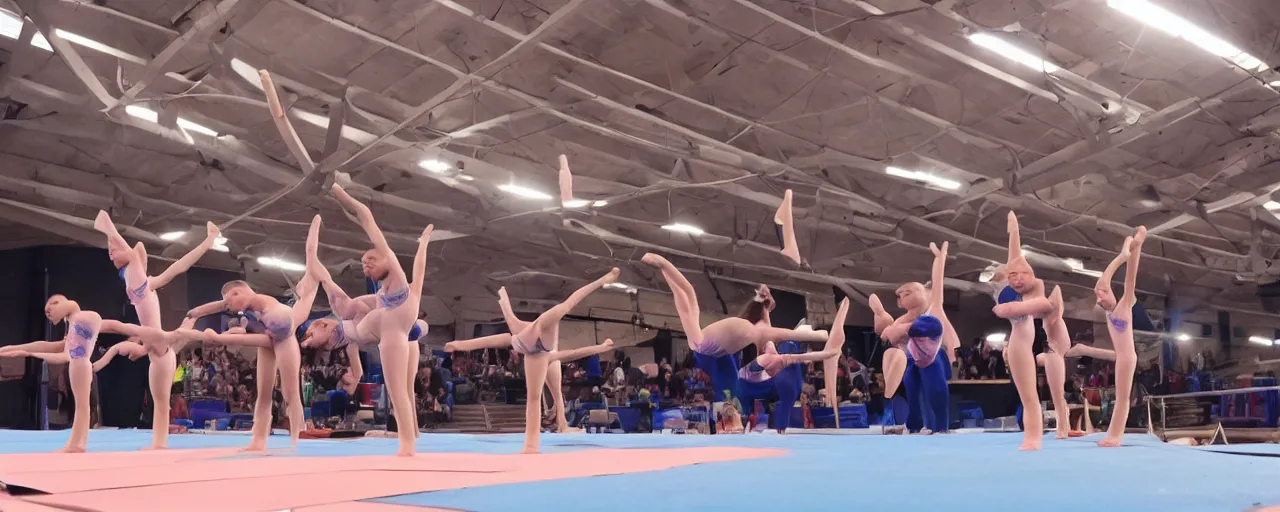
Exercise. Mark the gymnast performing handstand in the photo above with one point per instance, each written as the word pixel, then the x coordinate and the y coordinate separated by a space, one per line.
pixel 73 350
pixel 538 341
pixel 1018 302
pixel 1120 325
pixel 270 329
pixel 347 328
pixel 141 290
pixel 395 316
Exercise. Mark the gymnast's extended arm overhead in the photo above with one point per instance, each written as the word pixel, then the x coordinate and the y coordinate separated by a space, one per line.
pixel 186 261
pixel 420 262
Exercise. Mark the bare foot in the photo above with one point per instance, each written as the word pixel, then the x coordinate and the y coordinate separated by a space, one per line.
pixel 652 259
pixel 1062 434
pixel 255 447
pixel 1029 446
pixel 405 453
pixel 102 221
pixel 608 342
pixel 450 347
pixel 1110 442
pixel 154 447
pixel 611 277
pixel 568 430
pixel 529 451
pixel 784 209
pixel 71 449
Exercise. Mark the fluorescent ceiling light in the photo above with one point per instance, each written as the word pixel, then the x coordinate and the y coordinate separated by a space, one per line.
pixel 1261 341
pixel 465 177
pixel 1271 205
pixel 173 235
pixel 198 128
pixel 525 192
pixel 683 228
pixel 72 37
pixel 1159 18
pixel 620 286
pixel 923 177
pixel 435 166
pixel 11 27
pixel 281 264
pixel 152 116
pixel 1275 83
pixel 1011 52
pixel 580 203
pixel 997 337
pixel 220 244
pixel 1073 263
pixel 1184 337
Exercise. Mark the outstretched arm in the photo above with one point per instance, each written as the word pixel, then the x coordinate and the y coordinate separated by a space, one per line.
pixel 1131 272
pixel 938 275
pixel 1104 280
pixel 1034 307
pixel 188 260
pixel 420 262
pixel 52 357
pixel 365 216
pixel 33 347
pixel 353 361
pixel 204 310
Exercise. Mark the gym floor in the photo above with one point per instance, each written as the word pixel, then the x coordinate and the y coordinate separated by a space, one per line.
pixel 796 471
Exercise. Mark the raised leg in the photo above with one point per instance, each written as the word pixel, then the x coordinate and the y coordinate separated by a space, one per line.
pixel 779 334
pixel 1022 365
pixel 160 378
pixel 833 348
pixel 1082 350
pixel 415 353
pixel 1126 363
pixel 495 341
pixel 514 324
pixel 783 218
pixel 686 299
pixel 566 182
pixel 289 362
pixel 581 352
pixel 81 373
pixel 535 376
pixel 895 366
pixel 262 405
pixel 564 308
pixel 395 351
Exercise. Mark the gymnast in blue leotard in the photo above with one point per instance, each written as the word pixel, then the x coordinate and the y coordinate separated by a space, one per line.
pixel 925 381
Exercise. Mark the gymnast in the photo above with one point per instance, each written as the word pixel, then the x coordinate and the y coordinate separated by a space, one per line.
pixel 146 341
pixel 714 346
pixel 538 341
pixel 396 314
pixel 769 363
pixel 347 328
pixel 1018 302
pixel 269 328
pixel 141 290
pixel 923 339
pixel 1054 359
pixel 73 350
pixel 1120 325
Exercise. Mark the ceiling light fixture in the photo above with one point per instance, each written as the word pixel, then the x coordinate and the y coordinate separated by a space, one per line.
pixel 1184 337
pixel 600 204
pixel 281 264
pixel 173 235
pixel 1271 205
pixel 220 244
pixel 465 177
pixel 1261 341
pixel 523 191
pixel 684 228
pixel 11 27
pixel 1011 52
pixel 1159 18
pixel 997 337
pixel 576 203
pixel 152 116
pixel 72 37
pixel 923 177
pixel 433 165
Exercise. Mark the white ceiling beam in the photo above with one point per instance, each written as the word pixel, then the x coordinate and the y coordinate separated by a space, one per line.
pixel 200 31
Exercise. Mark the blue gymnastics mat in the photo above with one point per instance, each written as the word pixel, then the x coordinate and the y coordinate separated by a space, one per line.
pixel 959 472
